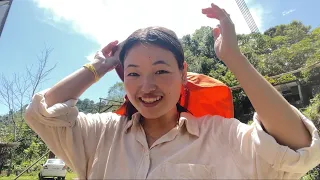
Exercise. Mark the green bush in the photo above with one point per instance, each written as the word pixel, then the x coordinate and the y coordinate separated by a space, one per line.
pixel 313 113
pixel 282 79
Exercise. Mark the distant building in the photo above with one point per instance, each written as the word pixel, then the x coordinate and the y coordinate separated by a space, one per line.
pixel 295 92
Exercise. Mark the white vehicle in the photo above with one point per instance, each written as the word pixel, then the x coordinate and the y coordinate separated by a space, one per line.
pixel 53 168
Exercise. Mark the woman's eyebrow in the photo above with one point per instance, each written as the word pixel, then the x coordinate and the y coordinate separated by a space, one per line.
pixel 132 65
pixel 155 63
pixel 160 62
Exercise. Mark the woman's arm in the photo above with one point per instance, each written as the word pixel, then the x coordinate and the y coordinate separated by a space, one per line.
pixel 275 113
pixel 71 135
pixel 75 84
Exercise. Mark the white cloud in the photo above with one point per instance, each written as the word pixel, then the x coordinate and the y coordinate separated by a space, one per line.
pixel 106 20
pixel 284 13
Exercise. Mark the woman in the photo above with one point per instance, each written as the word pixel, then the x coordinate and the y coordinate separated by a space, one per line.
pixel 162 140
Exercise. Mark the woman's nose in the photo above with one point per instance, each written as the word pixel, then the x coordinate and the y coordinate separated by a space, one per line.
pixel 148 85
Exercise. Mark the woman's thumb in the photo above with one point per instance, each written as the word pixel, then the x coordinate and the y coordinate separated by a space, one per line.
pixel 108 49
pixel 216 33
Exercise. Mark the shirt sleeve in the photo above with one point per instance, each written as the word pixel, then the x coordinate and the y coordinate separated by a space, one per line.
pixel 259 156
pixel 70 135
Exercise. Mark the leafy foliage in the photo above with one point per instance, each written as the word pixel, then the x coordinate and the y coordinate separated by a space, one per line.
pixel 115 97
pixel 87 106
pixel 282 79
pixel 313 112
pixel 281 49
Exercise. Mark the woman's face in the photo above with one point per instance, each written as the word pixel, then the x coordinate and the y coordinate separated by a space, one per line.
pixel 152 80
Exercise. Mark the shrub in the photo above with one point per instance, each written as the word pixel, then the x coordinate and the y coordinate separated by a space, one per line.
pixel 313 112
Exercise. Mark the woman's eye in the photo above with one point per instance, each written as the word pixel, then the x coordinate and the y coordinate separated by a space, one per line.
pixel 162 72
pixel 133 74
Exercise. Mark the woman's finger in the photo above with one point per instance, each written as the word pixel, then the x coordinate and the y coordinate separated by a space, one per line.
pixel 208 11
pixel 211 16
pixel 107 49
pixel 215 12
pixel 116 50
pixel 216 33
pixel 213 5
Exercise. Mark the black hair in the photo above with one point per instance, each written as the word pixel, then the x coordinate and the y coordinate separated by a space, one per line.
pixel 161 37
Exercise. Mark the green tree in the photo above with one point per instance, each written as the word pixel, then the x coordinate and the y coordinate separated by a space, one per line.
pixel 87 106
pixel 199 50
pixel 279 50
pixel 16 90
pixel 116 92
pixel 313 112
pixel 114 99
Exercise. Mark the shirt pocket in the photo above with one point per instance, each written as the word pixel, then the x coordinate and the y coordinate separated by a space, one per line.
pixel 187 171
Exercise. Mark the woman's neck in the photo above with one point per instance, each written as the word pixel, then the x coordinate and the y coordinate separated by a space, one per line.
pixel 160 126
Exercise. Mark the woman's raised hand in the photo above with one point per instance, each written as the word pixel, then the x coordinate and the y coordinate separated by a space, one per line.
pixel 107 59
pixel 226 44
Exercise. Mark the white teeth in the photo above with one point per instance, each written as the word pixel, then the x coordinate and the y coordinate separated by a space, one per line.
pixel 151 100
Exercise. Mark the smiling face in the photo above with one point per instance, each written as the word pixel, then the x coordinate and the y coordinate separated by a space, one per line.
pixel 152 80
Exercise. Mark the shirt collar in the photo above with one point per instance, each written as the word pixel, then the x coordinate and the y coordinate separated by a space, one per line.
pixel 134 121
pixel 186 119
pixel 191 123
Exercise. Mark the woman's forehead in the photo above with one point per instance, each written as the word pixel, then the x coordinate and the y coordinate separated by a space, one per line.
pixel 148 53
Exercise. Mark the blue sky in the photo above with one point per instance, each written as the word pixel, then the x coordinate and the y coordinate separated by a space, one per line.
pixel 75 29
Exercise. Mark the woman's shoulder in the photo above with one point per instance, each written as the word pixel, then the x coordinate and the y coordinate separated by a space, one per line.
pixel 211 120
pixel 214 123
pixel 107 117
pixel 109 120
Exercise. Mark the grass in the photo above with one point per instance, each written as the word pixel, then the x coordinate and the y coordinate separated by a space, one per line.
pixel 69 176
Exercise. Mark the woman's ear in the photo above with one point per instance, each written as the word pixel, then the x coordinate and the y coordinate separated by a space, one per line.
pixel 184 73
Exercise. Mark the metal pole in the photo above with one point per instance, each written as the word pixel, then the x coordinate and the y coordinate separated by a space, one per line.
pixel 5 16
pixel 32 164
pixel 247 15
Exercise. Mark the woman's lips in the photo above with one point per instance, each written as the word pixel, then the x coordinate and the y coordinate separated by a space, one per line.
pixel 150 101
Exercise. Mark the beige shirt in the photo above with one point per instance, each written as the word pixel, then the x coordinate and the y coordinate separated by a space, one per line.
pixel 108 146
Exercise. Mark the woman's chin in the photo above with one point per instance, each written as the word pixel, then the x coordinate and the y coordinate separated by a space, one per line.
pixel 150 114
